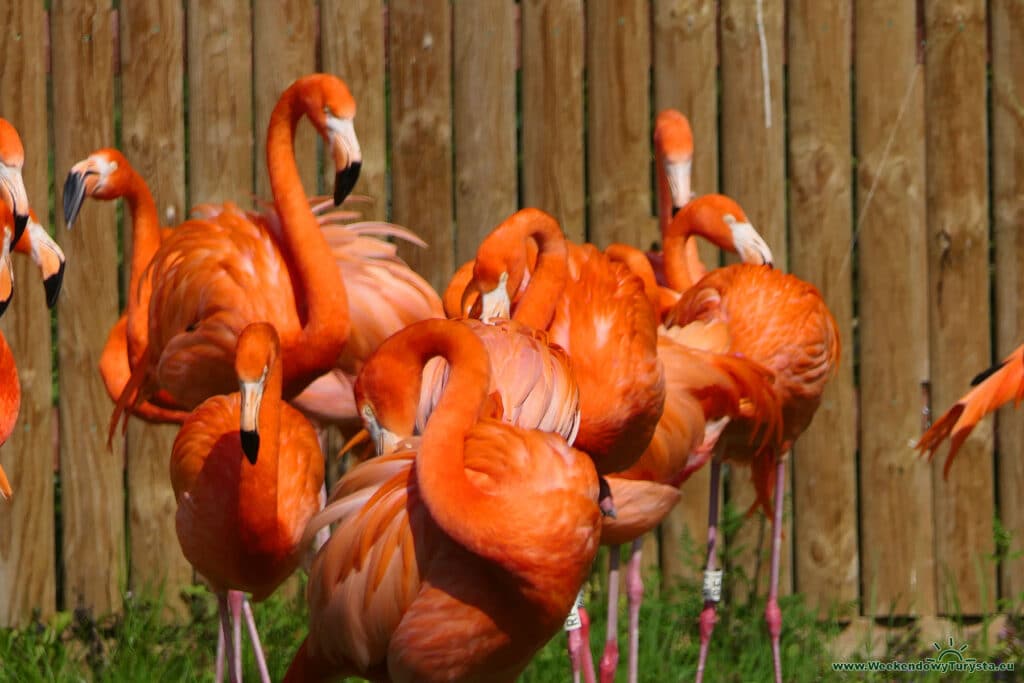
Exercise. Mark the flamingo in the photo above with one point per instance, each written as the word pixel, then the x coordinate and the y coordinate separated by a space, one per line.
pixel 247 472
pixel 457 555
pixel 703 391
pixel 673 155
pixel 210 278
pixel 992 388
pixel 36 242
pixel 782 323
pixel 10 387
pixel 592 307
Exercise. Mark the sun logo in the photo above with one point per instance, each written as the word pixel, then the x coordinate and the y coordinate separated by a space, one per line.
pixel 950 653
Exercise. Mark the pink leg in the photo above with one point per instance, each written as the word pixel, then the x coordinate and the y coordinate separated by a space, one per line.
pixel 588 660
pixel 610 658
pixel 225 628
pixel 575 644
pixel 218 672
pixel 235 603
pixel 254 637
pixel 772 613
pixel 712 579
pixel 634 594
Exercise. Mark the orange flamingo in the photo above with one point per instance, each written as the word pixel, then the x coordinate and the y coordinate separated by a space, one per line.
pixel 597 311
pixel 673 155
pixel 10 387
pixel 992 388
pixel 247 472
pixel 782 323
pixel 210 278
pixel 703 391
pixel 12 185
pixel 458 555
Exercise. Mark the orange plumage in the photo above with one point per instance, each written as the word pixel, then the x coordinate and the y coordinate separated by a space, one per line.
pixel 457 556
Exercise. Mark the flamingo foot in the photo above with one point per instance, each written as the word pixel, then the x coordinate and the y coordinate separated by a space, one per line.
pixel 254 637
pixel 773 615
pixel 708 619
pixel 634 595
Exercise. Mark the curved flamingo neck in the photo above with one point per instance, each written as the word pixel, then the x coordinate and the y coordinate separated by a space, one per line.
pixel 536 307
pixel 470 516
pixel 145 243
pixel 319 290
pixel 258 484
pixel 698 217
pixel 664 192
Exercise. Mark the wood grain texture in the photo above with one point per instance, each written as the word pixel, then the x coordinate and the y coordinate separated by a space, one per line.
pixel 27 563
pixel 821 225
pixel 552 111
pixel 959 341
pixel 1007 25
pixel 686 78
pixel 352 48
pixel 897 560
pixel 754 174
pixel 92 478
pixel 153 138
pixel 421 133
pixel 284 48
pixel 484 73
pixel 220 117
pixel 619 123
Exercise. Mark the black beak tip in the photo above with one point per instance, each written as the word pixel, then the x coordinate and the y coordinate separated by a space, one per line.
pixel 20 223
pixel 4 303
pixel 250 445
pixel 345 180
pixel 675 210
pixel 74 193
pixel 52 285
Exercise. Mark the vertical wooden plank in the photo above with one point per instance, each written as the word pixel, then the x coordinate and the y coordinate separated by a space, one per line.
pixel 821 180
pixel 421 129
pixel 27 564
pixel 686 78
pixel 1007 25
pixel 153 138
pixel 897 560
pixel 619 123
pixel 220 123
pixel 552 86
pixel 754 172
pixel 959 343
pixel 92 478
pixel 284 48
pixel 352 44
pixel 486 183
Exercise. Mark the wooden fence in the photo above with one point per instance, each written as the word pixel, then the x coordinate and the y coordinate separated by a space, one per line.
pixel 865 159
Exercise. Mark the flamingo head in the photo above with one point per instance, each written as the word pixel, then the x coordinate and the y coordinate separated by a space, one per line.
pixel 332 109
pixel 673 143
pixel 387 403
pixel 12 185
pixel 255 355
pixel 722 220
pixel 499 273
pixel 104 174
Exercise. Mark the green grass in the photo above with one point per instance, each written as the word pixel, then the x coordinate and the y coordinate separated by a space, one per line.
pixel 139 646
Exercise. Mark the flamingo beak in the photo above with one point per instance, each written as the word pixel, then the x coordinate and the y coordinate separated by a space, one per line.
pixel 13 186
pixel 678 174
pixel 496 303
pixel 74 195
pixel 749 244
pixel 252 396
pixel 6 275
pixel 348 158
pixel 50 259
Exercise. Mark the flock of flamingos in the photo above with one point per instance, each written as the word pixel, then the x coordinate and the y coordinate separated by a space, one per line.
pixel 553 399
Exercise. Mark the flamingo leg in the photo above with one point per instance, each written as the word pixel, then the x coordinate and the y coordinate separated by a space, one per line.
pixel 588 660
pixel 225 628
pixel 712 577
pixel 235 604
pixel 772 613
pixel 634 594
pixel 610 658
pixel 254 638
pixel 218 671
